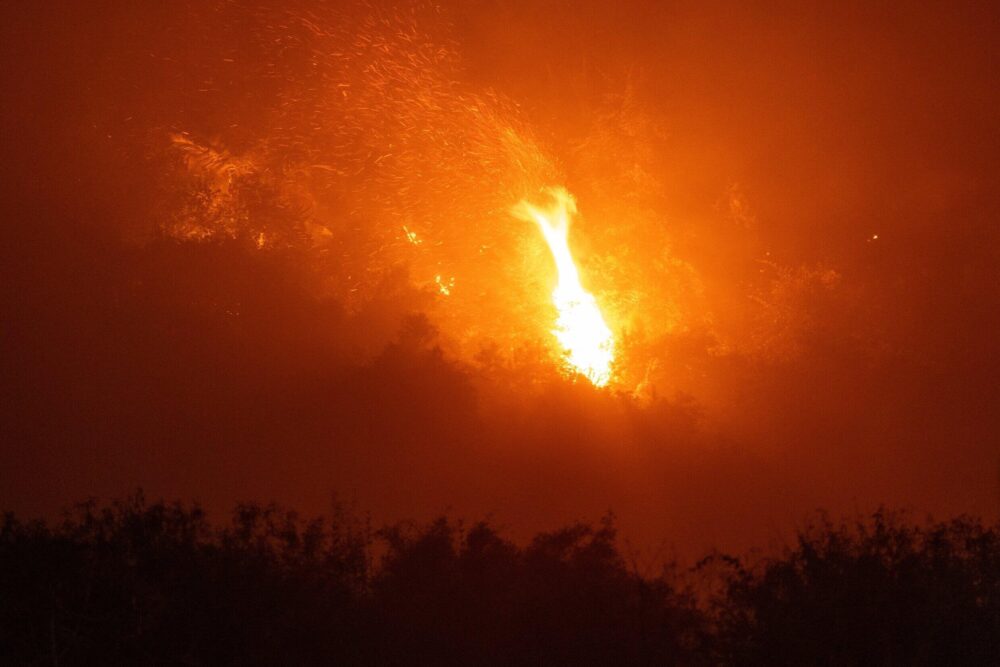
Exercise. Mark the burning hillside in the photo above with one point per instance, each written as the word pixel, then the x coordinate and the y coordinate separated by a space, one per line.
pixel 710 267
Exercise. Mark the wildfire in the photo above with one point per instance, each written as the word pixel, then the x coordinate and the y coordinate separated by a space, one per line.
pixel 587 342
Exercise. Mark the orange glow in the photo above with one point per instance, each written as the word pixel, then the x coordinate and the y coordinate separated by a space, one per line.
pixel 587 342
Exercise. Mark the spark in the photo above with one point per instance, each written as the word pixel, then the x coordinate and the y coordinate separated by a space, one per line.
pixel 444 286
pixel 411 236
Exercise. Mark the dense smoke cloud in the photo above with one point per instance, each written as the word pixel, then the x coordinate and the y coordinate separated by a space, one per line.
pixel 227 228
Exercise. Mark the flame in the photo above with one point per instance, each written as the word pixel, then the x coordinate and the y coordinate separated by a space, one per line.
pixel 587 341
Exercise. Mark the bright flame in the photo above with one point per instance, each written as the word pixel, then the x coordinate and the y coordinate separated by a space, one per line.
pixel 585 337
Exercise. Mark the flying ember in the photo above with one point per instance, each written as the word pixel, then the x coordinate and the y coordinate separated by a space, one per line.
pixel 587 342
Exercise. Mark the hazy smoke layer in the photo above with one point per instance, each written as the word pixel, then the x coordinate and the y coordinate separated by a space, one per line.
pixel 266 250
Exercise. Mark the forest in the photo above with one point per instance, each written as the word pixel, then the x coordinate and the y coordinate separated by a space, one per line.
pixel 144 583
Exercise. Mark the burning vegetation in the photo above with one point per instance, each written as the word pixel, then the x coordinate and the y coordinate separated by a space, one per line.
pixel 382 157
pixel 580 328
pixel 711 267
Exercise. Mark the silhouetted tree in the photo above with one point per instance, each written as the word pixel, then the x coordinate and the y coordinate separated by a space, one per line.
pixel 878 592
pixel 135 582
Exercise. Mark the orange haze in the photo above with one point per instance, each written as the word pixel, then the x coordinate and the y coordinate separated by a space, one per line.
pixel 265 250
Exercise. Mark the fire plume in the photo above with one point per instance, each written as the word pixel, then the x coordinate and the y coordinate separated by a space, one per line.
pixel 587 342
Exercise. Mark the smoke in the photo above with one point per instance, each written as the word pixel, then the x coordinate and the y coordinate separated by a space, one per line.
pixel 375 154
pixel 227 227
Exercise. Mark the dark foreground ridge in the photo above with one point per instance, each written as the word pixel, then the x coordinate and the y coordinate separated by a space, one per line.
pixel 153 583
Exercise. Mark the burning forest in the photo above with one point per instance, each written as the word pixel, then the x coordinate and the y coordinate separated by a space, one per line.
pixel 707 268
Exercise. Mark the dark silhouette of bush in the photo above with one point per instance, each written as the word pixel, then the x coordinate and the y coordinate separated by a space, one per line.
pixel 470 597
pixel 138 583
pixel 145 583
pixel 875 592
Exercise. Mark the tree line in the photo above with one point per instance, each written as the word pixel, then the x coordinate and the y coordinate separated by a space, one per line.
pixel 156 583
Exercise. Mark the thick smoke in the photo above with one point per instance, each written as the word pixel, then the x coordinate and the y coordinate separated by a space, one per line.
pixel 227 228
